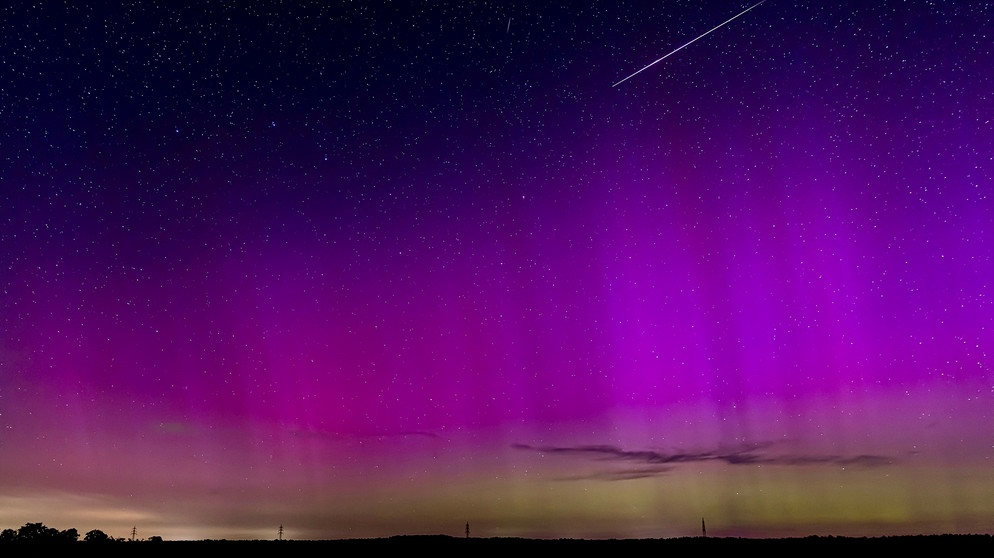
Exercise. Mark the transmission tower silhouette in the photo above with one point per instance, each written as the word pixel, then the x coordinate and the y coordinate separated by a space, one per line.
pixel 281 532
pixel 134 533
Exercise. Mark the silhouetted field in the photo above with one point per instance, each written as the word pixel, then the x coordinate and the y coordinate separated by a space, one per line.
pixel 445 544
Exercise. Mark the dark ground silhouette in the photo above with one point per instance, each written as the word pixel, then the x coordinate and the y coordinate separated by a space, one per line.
pixel 442 544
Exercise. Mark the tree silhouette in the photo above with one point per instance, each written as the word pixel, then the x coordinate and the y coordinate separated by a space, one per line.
pixel 96 535
pixel 38 532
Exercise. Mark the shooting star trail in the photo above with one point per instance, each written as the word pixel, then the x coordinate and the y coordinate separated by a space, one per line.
pixel 688 43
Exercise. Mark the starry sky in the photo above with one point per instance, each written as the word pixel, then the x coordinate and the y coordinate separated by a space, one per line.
pixel 363 269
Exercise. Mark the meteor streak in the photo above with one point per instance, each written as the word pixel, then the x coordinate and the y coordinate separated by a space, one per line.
pixel 688 43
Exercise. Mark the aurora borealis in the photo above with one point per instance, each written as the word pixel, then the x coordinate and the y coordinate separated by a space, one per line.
pixel 366 269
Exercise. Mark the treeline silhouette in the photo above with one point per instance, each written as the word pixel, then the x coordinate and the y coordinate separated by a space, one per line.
pixel 28 535
pixel 39 533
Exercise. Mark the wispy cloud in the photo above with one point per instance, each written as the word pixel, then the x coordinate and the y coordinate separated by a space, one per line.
pixel 658 463
pixel 384 435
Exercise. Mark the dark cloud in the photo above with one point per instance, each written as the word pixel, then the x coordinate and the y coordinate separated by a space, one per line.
pixel 754 454
pixel 624 474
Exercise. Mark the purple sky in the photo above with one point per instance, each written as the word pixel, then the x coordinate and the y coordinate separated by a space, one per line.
pixel 367 270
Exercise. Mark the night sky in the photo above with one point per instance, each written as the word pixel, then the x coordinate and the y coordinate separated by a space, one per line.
pixel 363 269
